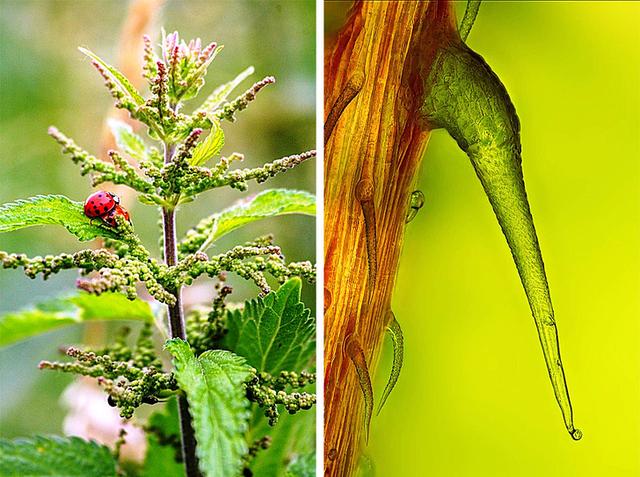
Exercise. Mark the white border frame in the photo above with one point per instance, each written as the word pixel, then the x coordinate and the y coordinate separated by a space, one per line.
pixel 320 238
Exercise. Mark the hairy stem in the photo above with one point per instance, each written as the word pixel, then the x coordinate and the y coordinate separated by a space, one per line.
pixel 178 330
pixel 374 147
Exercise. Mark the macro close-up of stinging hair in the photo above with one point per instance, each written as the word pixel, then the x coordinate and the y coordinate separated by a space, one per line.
pixel 397 73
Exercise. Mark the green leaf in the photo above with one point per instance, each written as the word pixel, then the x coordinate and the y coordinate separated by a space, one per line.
pixel 209 147
pixel 116 76
pixel 111 306
pixel 290 436
pixel 269 203
pixel 220 94
pixel 56 457
pixel 52 209
pixel 213 383
pixel 74 310
pixel 303 466
pixel 274 333
pixel 161 458
pixel 127 140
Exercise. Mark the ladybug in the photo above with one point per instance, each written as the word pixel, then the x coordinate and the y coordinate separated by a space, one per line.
pixel 110 217
pixel 100 203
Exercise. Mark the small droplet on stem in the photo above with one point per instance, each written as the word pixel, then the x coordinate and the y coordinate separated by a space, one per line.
pixel 416 202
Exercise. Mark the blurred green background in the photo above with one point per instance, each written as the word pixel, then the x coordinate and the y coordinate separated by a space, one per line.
pixel 474 397
pixel 44 80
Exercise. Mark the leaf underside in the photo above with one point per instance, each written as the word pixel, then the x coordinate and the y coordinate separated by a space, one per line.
pixel 127 140
pixel 210 147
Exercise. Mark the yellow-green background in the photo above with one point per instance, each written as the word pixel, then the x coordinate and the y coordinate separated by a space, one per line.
pixel 474 398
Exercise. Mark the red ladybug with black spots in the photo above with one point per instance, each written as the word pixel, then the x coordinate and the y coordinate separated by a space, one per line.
pixel 106 206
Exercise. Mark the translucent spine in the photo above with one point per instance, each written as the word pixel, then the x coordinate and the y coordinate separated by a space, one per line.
pixel 465 97
pixel 394 330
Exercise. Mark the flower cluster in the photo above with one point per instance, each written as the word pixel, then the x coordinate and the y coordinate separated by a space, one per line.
pixel 187 65
pixel 102 171
pixel 130 377
pixel 269 392
pixel 121 271
pixel 259 444
pixel 207 326
pixel 250 261
pixel 177 177
pixel 114 273
pixel 202 179
pixel 241 102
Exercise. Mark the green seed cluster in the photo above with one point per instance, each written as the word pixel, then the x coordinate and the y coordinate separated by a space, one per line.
pixel 123 98
pixel 282 272
pixel 235 260
pixel 144 353
pixel 173 174
pixel 228 110
pixel 159 101
pixel 149 59
pixel 130 264
pixel 289 378
pixel 206 327
pixel 130 173
pixel 269 392
pixel 130 377
pixel 101 171
pixel 88 260
pixel 115 273
pixel 259 444
pixel 238 178
pixel 264 258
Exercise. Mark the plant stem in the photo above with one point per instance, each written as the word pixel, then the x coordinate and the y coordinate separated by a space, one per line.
pixel 387 157
pixel 178 330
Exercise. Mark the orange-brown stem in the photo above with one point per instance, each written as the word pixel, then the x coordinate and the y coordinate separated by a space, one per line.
pixel 376 140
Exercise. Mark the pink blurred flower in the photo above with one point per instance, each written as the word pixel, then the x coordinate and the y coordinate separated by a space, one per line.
pixel 91 417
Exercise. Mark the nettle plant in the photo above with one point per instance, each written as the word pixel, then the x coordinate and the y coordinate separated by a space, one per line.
pixel 235 368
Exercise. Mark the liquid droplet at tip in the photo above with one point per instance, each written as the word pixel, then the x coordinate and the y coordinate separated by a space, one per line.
pixel 576 434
